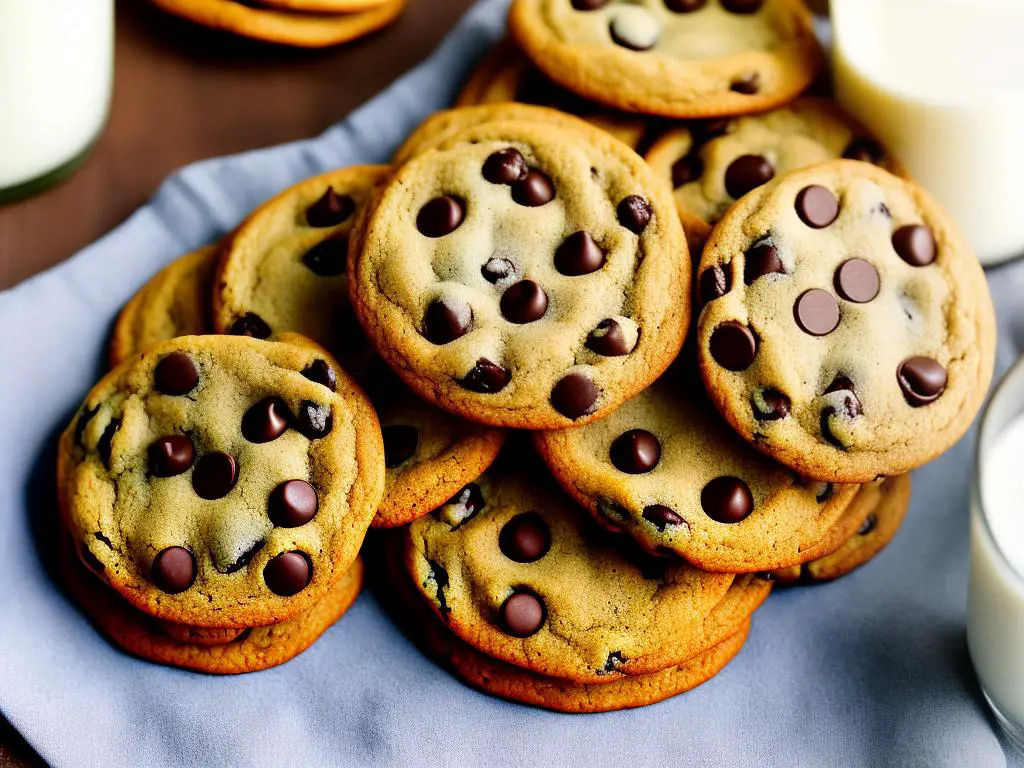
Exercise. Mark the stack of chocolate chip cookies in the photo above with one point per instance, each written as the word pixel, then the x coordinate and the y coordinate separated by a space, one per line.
pixel 609 401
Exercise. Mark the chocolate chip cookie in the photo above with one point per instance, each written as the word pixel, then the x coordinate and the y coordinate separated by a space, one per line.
pixel 515 569
pixel 175 302
pixel 713 163
pixel 524 275
pixel 285 27
pixel 847 329
pixel 878 528
pixel 221 481
pixel 668 471
pixel 709 58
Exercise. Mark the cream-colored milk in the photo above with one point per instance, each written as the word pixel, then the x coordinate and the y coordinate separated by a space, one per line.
pixel 941 83
pixel 56 73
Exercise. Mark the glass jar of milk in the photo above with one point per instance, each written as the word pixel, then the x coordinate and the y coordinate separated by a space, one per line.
pixel 56 78
pixel 995 595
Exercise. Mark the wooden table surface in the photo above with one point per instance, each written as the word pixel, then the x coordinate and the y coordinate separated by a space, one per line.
pixel 182 94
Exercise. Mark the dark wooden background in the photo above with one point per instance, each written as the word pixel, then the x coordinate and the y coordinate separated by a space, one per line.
pixel 183 93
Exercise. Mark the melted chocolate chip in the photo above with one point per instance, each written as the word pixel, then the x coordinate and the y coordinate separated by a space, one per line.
pixel 685 6
pixel 522 614
pixel 661 516
pixel 498 269
pixel 686 169
pixel 525 538
pixel 922 379
pixel 288 574
pixel 400 441
pixel 776 406
pixel 171 455
pixel 463 506
pixel 579 255
pixel 857 281
pixel 635 452
pixel 524 302
pixel 714 284
pixel 440 217
pixel 533 190
pixel 864 149
pixel 266 421
pixel 174 570
pixel 608 339
pixel 105 445
pixel 733 346
pixel 446 320
pixel 214 476
pixel 574 395
pixel 244 558
pixel 292 504
pixel 176 374
pixel 330 210
pixel 486 377
pixel 505 166
pixel 816 206
pixel 634 213
pixel 817 312
pixel 742 6
pixel 747 172
pixel 252 325
pixel 828 490
pixel 727 500
pixel 314 420
pixel 327 258
pixel 915 244
pixel 851 406
pixel 748 84
pixel 320 372
pixel 761 260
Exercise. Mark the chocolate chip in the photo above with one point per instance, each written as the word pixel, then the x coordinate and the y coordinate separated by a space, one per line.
pixel 244 558
pixel 685 6
pixel 505 166
pixel 461 507
pixel 174 570
pixel 524 302
pixel 314 420
pixel 522 614
pixel 589 5
pixel 176 374
pixel 635 32
pixel 635 452
pixel 776 406
pixel 661 516
pixel 214 476
pixel 851 406
pixel 579 255
pixel 533 190
pixel 497 269
pixel 608 339
pixel 747 172
pixel 171 455
pixel 105 445
pixel 400 441
pixel 574 396
pixel 915 244
pixel 327 258
pixel 816 206
pixel 742 6
pixel 817 312
pixel 733 346
pixel 486 377
pixel 292 504
pixel 864 149
pixel 868 525
pixel 525 538
pixel 828 490
pixel 727 500
pixel 634 213
pixel 440 217
pixel 330 210
pixel 446 320
pixel 288 574
pixel 747 84
pixel 922 379
pixel 320 372
pixel 686 169
pixel 714 284
pixel 857 281
pixel 250 324
pixel 825 426
pixel 761 260
pixel 266 421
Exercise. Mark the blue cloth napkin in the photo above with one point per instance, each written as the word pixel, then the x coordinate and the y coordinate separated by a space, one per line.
pixel 869 671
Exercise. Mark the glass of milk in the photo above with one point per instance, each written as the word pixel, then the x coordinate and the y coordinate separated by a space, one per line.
pixel 56 78
pixel 940 83
pixel 995 597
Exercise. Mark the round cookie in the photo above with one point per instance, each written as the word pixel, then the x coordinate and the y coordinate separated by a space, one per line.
pixel 847 329
pixel 300 29
pixel 249 651
pixel 877 530
pixel 524 275
pixel 221 481
pixel 665 469
pixel 677 59
pixel 515 569
pixel 175 302
pixel 284 270
pixel 505 75
pixel 712 163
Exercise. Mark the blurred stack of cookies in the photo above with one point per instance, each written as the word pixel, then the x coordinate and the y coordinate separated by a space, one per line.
pixel 616 400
